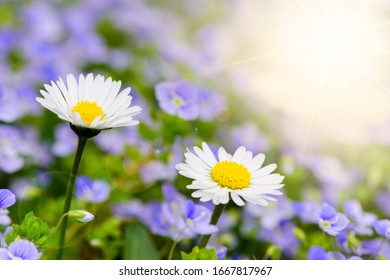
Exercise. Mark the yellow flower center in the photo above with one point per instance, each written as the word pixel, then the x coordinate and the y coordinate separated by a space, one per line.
pixel 231 175
pixel 88 111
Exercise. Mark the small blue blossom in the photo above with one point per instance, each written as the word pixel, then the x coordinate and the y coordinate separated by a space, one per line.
pixel 7 199
pixel 247 135
pixel 382 227
pixel 65 140
pixel 361 222
pixel 178 98
pixel 20 250
pixel 307 211
pixel 318 253
pixel 94 191
pixel 5 220
pixel 176 217
pixel 210 104
pixel 382 200
pixel 331 221
pixel 376 247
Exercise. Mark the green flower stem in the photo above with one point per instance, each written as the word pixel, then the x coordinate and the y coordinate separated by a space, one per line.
pixel 60 221
pixel 218 209
pixel 69 193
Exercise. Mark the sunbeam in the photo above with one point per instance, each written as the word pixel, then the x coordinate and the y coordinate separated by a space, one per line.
pixel 293 44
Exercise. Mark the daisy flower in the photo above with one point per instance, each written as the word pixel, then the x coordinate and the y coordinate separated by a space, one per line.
pixel 91 102
pixel 240 176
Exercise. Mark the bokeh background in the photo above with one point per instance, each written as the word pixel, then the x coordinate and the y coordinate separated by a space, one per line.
pixel 305 82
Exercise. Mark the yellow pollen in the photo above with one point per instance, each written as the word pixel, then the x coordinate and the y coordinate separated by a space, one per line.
pixel 231 175
pixel 88 111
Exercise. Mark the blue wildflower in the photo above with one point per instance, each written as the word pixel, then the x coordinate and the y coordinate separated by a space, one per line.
pixel 307 211
pixel 7 198
pixel 382 200
pixel 176 217
pixel 5 220
pixel 247 135
pixel 376 247
pixel 331 221
pixel 382 227
pixel 65 140
pixel 210 104
pixel 361 222
pixel 178 98
pixel 94 191
pixel 129 209
pixel 318 253
pixel 20 250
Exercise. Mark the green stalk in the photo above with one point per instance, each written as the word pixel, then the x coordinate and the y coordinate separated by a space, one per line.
pixel 218 209
pixel 69 193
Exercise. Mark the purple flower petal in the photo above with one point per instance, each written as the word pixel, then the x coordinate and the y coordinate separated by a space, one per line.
pixel 7 198
pixel 24 250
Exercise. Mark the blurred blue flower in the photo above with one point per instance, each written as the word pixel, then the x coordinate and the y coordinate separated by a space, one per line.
pixel 5 220
pixel 65 140
pixel 283 237
pixel 210 104
pixel 20 250
pixel 221 253
pixel 248 135
pixel 382 200
pixel 176 217
pixel 94 191
pixel 382 227
pixel 361 222
pixel 129 209
pixel 373 248
pixel 331 221
pixel 318 253
pixel 10 105
pixel 307 210
pixel 7 198
pixel 178 98
pixel 10 153
pixel 152 171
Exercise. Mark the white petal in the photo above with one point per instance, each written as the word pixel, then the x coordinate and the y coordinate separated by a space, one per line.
pixel 256 163
pixel 209 153
pixel 237 199
pixel 223 155
pixel 239 155
pixel 203 157
pixel 267 180
pixel 264 171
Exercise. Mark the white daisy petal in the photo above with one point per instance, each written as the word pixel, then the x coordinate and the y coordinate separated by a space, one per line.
pixel 223 155
pixel 239 155
pixel 268 179
pixel 91 102
pixel 256 163
pixel 202 156
pixel 265 170
pixel 237 199
pixel 209 153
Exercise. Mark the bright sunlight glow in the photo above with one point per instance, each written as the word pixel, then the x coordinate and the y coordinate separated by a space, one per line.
pixel 324 62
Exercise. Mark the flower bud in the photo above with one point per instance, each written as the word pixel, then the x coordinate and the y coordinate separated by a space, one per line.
pixel 81 216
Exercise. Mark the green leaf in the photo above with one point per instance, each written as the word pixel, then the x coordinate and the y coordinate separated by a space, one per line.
pixel 32 228
pixel 200 254
pixel 300 234
pixel 352 241
pixel 139 245
pixel 273 252
pixel 146 132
